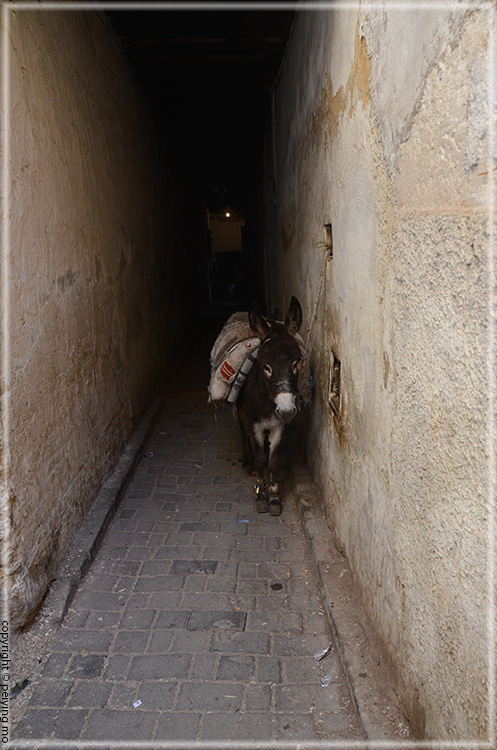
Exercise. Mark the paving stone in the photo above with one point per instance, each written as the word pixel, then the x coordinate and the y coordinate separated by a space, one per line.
pixel 127 513
pixel 158 696
pixel 266 603
pixel 123 695
pixel 252 555
pixel 174 552
pixel 90 694
pixel 225 620
pixel 292 698
pixel 88 666
pixel 172 619
pixel 272 543
pixel 299 645
pixel 210 696
pixel 224 506
pixel 160 641
pixel 273 571
pixel 259 726
pixel 165 599
pixel 250 542
pixel 131 641
pixel 203 667
pixel 301 671
pixel 179 539
pixel 56 665
pixel 51 693
pixel 236 668
pixel 247 570
pixel 117 667
pixel 191 641
pixel 269 669
pixel 294 727
pixel 156 568
pixel 252 586
pixel 333 724
pixel 182 567
pixel 219 726
pixel 160 583
pixel 96 640
pixel 99 600
pixel 195 584
pixel 247 643
pixel 178 726
pixel 221 584
pixel 258 698
pixel 199 526
pixel 50 723
pixel 77 618
pixel 205 601
pixel 108 724
pixel 214 540
pixel 101 620
pixel 160 666
pixel 221 553
pixel 139 553
pixel 315 623
pixel 138 619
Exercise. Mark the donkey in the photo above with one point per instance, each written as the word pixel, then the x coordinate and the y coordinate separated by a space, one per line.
pixel 267 403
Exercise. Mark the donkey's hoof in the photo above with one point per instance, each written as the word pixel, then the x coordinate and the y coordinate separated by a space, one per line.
pixel 262 505
pixel 275 508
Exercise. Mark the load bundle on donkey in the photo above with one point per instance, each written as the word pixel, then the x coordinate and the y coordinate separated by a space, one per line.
pixel 260 365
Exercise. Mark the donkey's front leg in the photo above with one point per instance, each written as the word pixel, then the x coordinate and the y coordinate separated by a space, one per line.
pixel 261 460
pixel 261 496
pixel 275 506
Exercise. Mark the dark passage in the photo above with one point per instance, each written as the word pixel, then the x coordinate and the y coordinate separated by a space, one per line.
pixel 208 77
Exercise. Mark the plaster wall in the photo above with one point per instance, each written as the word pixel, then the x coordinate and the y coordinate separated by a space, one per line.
pixel 381 129
pixel 96 259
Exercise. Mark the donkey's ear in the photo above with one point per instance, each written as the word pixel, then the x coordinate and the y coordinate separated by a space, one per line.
pixel 293 319
pixel 258 323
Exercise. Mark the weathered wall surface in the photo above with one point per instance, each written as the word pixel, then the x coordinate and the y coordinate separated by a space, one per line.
pixel 381 129
pixel 97 240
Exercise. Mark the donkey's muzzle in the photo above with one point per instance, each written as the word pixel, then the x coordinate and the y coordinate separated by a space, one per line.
pixel 285 407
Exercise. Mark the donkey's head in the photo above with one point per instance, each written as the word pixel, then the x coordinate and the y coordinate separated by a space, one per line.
pixel 278 358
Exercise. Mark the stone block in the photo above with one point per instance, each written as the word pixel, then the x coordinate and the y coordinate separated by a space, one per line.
pixel 225 620
pixel 238 668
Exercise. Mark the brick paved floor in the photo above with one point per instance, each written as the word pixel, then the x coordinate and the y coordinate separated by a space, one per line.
pixel 196 607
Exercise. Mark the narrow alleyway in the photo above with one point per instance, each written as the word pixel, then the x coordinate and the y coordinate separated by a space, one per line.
pixel 199 619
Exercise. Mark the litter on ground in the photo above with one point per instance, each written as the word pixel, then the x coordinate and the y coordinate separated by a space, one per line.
pixel 321 654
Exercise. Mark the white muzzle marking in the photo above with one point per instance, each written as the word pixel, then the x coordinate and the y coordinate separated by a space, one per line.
pixel 285 406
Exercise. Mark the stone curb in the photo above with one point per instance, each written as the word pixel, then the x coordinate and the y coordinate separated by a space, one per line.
pixel 364 661
pixel 90 535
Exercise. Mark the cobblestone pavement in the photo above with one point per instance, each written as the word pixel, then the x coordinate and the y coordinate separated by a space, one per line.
pixel 199 619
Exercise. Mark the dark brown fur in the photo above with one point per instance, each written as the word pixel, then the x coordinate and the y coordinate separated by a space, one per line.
pixel 265 426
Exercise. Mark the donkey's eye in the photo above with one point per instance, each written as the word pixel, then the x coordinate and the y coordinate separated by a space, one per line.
pixel 268 370
pixel 295 366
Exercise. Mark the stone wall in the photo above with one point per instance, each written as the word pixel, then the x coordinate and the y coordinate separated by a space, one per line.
pixel 99 300
pixel 381 130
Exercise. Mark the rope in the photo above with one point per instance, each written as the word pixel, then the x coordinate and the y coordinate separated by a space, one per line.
pixel 310 331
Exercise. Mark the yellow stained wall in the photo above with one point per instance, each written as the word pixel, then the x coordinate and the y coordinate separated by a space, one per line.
pixel 97 236
pixel 381 129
